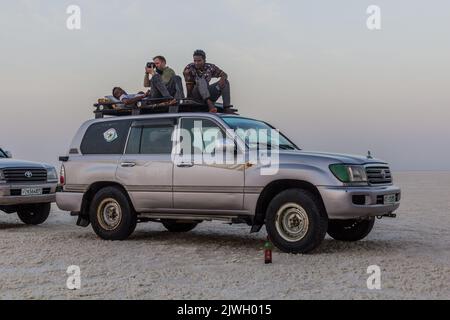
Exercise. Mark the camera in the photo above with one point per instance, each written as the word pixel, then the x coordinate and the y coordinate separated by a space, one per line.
pixel 151 65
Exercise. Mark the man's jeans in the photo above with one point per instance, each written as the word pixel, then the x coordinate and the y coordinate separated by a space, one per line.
pixel 203 91
pixel 172 89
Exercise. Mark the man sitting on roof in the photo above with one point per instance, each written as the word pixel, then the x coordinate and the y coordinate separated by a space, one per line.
pixel 164 83
pixel 198 76
pixel 126 98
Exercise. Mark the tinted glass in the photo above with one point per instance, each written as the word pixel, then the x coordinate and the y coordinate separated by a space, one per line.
pixel 151 140
pixel 106 137
pixel 156 140
pixel 201 135
pixel 134 141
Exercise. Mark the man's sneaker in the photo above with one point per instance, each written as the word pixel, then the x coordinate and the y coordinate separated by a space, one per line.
pixel 229 110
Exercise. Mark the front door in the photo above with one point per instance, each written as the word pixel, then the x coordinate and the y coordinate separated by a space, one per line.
pixel 197 184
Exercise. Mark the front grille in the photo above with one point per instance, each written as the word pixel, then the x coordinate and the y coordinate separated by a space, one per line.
pixel 18 192
pixel 379 175
pixel 25 175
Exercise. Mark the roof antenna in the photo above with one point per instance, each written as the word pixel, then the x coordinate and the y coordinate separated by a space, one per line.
pixel 369 155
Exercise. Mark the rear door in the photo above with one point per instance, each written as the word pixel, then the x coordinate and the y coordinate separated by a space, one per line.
pixel 146 168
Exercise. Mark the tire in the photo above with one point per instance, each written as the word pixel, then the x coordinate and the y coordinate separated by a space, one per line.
pixel 179 227
pixel 111 214
pixel 34 214
pixel 350 230
pixel 295 221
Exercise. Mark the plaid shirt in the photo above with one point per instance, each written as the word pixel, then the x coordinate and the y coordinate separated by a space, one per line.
pixel 209 71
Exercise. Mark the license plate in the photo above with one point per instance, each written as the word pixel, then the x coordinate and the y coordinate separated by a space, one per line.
pixel 389 199
pixel 31 191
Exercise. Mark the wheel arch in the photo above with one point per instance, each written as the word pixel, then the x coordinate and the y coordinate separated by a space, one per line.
pixel 276 187
pixel 93 189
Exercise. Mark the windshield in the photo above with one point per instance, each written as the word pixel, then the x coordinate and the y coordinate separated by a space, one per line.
pixel 243 128
pixel 2 154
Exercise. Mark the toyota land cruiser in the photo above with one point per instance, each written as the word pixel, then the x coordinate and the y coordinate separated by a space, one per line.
pixel 27 188
pixel 124 170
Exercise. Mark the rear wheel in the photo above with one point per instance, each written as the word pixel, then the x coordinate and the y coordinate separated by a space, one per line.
pixel 295 222
pixel 174 226
pixel 111 214
pixel 350 230
pixel 34 214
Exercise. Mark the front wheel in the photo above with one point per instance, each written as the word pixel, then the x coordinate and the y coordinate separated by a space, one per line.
pixel 350 230
pixel 111 214
pixel 295 222
pixel 34 214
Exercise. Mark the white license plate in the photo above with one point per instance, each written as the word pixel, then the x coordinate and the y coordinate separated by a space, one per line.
pixel 389 199
pixel 31 191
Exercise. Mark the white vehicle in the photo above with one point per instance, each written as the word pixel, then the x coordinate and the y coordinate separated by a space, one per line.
pixel 27 188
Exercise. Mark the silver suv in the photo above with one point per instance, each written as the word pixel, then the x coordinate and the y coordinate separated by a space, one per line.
pixel 27 188
pixel 124 170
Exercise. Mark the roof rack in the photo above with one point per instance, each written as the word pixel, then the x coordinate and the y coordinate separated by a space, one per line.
pixel 105 107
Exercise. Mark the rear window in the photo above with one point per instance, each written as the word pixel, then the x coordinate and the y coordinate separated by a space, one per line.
pixel 106 137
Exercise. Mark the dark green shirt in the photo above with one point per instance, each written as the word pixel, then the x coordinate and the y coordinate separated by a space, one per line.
pixel 166 75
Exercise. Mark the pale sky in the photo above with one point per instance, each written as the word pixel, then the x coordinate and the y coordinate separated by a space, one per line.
pixel 311 68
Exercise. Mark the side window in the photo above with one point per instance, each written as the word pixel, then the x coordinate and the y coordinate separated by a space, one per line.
pixel 157 140
pixel 105 137
pixel 150 140
pixel 134 141
pixel 199 136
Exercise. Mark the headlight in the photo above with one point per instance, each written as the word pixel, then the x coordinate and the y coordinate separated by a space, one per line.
pixel 352 174
pixel 2 176
pixel 52 176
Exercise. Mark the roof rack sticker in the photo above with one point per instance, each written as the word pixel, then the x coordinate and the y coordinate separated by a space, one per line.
pixel 110 135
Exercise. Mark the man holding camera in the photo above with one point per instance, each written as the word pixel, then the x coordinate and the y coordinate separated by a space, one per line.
pixel 198 76
pixel 162 80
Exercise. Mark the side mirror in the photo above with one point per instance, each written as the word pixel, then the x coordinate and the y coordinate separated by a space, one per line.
pixel 8 154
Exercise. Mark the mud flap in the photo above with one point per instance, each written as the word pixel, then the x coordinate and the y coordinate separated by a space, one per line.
pixel 82 221
pixel 256 228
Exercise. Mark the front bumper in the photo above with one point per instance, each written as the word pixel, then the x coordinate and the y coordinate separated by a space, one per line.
pixel 339 201
pixel 9 198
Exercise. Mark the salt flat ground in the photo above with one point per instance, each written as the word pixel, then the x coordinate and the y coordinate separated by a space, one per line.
pixel 217 261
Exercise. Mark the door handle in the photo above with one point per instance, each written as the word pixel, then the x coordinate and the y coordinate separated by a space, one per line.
pixel 185 165
pixel 128 164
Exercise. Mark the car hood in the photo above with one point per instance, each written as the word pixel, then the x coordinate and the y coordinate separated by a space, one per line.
pixel 13 163
pixel 306 156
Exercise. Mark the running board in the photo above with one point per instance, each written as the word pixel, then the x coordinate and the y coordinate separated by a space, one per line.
pixel 192 217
